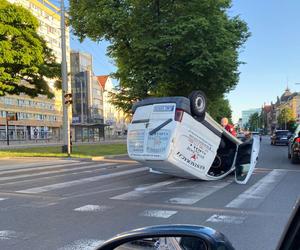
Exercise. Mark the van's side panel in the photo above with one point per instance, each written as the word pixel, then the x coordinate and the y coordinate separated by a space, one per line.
pixel 195 147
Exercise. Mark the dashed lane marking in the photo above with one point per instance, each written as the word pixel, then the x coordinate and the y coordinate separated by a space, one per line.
pixel 226 219
pixel 92 208
pixel 7 235
pixel 158 213
pixel 84 244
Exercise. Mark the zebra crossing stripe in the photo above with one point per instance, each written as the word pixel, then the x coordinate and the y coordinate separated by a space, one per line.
pixel 256 194
pixel 141 191
pixel 46 188
pixel 198 193
pixel 46 167
pixel 63 170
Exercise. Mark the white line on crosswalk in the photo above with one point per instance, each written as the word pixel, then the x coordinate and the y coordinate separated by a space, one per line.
pixel 158 213
pixel 84 244
pixel 226 219
pixel 92 208
pixel 198 193
pixel 255 195
pixel 47 167
pixel 2 199
pixel 23 165
pixel 46 188
pixel 63 170
pixel 141 191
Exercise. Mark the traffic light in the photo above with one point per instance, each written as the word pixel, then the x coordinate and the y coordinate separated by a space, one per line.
pixel 68 98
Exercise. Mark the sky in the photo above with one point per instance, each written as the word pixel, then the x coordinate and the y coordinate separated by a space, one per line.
pixel 271 55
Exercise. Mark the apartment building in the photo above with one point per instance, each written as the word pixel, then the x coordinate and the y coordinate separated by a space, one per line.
pixel 38 118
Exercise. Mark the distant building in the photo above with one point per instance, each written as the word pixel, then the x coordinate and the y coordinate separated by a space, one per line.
pixel 87 108
pixel 247 113
pixel 240 123
pixel 115 119
pixel 39 118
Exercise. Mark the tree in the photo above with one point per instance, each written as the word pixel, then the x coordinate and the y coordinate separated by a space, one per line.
pixel 220 108
pixel 255 122
pixel 286 118
pixel 25 59
pixel 163 47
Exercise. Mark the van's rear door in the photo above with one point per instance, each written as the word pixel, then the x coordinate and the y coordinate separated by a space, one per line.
pixel 246 159
pixel 150 132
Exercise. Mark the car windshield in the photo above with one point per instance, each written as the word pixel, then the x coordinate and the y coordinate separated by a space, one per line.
pixel 123 114
pixel 282 133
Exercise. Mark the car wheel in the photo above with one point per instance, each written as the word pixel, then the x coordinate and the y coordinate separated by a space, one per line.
pixel 294 159
pixel 198 103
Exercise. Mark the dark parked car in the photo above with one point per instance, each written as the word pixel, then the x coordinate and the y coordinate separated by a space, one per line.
pixel 280 137
pixel 294 146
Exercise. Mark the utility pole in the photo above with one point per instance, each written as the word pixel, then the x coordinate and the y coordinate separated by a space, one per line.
pixel 7 129
pixel 65 89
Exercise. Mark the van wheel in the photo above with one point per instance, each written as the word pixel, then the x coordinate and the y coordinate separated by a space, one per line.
pixel 198 103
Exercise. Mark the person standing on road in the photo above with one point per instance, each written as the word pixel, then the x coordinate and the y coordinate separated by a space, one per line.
pixel 227 126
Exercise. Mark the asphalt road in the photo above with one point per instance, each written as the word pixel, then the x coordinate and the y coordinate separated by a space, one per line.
pixel 70 204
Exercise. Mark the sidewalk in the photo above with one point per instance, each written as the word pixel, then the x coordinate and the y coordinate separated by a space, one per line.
pixel 15 145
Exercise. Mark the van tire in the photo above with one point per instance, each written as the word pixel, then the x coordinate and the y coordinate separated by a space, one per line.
pixel 198 103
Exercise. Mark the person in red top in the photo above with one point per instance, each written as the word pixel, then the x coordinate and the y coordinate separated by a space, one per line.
pixel 227 126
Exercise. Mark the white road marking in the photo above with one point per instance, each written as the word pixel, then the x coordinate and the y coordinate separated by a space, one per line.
pixel 92 208
pixel 85 244
pixel 141 191
pixel 158 213
pixel 256 194
pixel 7 234
pixel 47 167
pixel 226 219
pixel 64 170
pixel 198 193
pixel 46 188
pixel 2 199
pixel 21 165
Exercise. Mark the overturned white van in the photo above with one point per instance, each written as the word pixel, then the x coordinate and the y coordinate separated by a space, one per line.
pixel 174 135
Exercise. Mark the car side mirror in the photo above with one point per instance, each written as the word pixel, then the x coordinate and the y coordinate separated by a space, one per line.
pixel 291 236
pixel 169 237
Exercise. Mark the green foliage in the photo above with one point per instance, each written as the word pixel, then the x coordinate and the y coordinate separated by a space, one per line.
pixel 255 122
pixel 286 118
pixel 220 108
pixel 25 59
pixel 165 47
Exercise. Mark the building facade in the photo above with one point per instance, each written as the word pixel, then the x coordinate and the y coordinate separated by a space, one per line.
pixel 39 118
pixel 87 108
pixel 115 119
pixel 247 113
